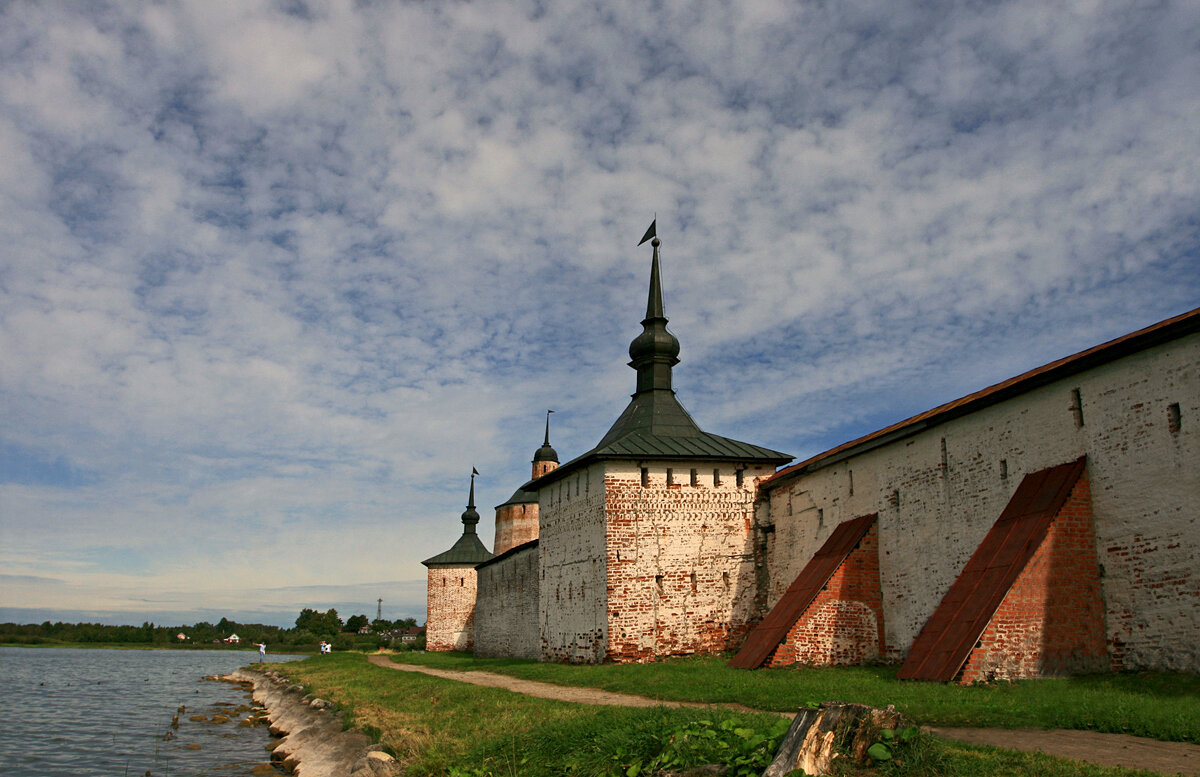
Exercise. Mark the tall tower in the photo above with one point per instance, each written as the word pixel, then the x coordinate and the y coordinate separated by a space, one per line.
pixel 450 596
pixel 645 545
pixel 517 519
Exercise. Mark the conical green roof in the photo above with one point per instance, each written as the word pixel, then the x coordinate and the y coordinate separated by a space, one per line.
pixel 468 550
pixel 655 425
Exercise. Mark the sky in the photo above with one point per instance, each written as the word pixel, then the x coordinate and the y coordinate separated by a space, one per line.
pixel 274 276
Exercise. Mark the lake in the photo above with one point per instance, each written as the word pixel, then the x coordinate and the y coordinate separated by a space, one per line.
pixel 107 713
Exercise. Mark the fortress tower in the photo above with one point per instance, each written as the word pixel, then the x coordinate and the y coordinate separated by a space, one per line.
pixel 645 545
pixel 517 519
pixel 450 596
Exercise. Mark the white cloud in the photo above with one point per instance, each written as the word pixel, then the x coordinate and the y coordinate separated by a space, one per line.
pixel 273 281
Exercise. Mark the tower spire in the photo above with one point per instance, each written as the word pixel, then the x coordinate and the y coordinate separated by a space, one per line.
pixel 655 351
pixel 545 458
pixel 470 517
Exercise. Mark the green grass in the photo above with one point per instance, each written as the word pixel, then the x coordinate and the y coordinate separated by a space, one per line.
pixel 435 725
pixel 443 727
pixel 1158 705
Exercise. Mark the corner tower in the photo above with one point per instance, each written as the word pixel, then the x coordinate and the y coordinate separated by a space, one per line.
pixel 646 539
pixel 450 595
pixel 517 519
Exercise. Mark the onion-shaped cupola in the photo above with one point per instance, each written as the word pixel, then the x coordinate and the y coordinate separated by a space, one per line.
pixel 546 453
pixel 655 351
pixel 468 550
pixel 470 517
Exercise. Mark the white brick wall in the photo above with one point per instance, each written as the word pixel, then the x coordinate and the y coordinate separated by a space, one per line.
pixel 573 601
pixel 1145 495
pixel 506 611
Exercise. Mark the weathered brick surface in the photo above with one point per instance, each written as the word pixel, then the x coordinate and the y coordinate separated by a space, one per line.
pixel 516 524
pixel 450 602
pixel 1051 621
pixel 506 611
pixel 571 561
pixel 844 623
pixel 679 559
pixel 936 501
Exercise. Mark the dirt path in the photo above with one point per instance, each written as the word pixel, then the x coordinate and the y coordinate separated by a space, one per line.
pixel 1130 752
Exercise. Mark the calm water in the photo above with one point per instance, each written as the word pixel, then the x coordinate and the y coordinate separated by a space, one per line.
pixel 87 713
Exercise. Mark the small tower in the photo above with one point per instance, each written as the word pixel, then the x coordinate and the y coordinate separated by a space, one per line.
pixel 517 519
pixel 450 620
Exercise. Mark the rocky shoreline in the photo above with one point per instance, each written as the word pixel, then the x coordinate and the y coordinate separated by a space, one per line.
pixel 312 742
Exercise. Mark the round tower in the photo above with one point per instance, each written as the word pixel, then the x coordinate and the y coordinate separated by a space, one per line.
pixel 517 519
pixel 545 458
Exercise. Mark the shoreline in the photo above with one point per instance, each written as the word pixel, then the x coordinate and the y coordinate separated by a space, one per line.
pixel 312 742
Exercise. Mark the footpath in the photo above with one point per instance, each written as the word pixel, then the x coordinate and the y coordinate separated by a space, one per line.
pixel 1173 758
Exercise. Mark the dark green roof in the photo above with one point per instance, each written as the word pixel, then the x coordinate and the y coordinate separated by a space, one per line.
pixel 520 497
pixel 468 551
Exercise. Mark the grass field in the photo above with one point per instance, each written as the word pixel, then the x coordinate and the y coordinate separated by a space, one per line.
pixel 1150 704
pixel 443 727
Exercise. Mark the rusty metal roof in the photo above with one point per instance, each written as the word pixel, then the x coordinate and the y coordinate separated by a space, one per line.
pixel 1163 332
pixel 773 629
pixel 942 647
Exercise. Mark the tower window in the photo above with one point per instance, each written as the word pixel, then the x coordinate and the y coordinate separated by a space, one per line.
pixel 1174 418
pixel 716 477
pixel 670 476
pixel 741 478
pixel 645 477
pixel 695 477
pixel 658 583
pixel 1004 469
pixel 693 582
pixel 1077 407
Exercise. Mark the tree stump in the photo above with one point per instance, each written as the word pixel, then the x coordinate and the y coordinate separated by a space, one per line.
pixel 833 730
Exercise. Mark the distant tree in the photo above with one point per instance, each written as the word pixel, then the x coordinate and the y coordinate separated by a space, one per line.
pixel 380 625
pixel 355 622
pixel 323 624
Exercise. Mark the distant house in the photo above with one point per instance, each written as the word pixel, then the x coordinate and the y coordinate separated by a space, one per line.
pixel 411 633
pixel 364 629
pixel 233 639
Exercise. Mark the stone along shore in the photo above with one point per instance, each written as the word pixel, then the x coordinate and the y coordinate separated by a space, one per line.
pixel 312 742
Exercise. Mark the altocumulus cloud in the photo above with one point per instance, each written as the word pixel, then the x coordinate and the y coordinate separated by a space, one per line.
pixel 276 275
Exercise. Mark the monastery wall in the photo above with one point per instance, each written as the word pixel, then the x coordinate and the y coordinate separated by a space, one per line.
pixel 450 598
pixel 939 490
pixel 506 614
pixel 681 575
pixel 572 598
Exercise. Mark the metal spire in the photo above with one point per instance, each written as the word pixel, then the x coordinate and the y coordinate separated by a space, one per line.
pixel 470 517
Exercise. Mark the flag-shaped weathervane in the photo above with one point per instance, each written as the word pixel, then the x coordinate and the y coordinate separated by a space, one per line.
pixel 651 232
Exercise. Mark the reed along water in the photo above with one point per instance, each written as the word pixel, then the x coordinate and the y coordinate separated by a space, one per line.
pixel 108 713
